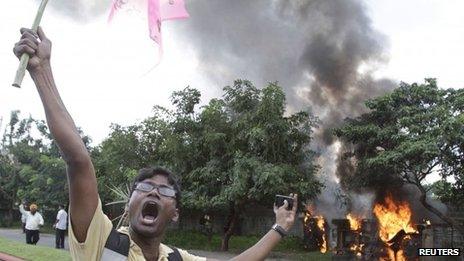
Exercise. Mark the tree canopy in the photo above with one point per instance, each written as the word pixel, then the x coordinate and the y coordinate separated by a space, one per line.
pixel 409 134
pixel 31 168
pixel 237 150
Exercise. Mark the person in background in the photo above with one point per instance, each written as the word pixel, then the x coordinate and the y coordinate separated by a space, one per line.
pixel 60 227
pixel 34 221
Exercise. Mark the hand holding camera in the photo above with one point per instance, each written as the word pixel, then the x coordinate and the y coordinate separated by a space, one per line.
pixel 285 210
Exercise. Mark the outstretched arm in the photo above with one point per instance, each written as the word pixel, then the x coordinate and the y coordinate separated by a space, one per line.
pixel 83 194
pixel 285 219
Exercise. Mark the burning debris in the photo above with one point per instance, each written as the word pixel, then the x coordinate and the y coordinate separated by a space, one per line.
pixel 395 226
pixel 355 223
pixel 358 244
pixel 355 226
pixel 315 232
pixel 393 217
pixel 391 235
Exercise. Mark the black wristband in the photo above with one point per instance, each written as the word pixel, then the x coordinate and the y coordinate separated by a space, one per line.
pixel 279 230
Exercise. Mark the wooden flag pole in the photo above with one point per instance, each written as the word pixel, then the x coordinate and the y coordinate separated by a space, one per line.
pixel 25 57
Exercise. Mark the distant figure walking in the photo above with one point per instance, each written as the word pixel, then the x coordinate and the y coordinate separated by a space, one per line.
pixel 33 222
pixel 60 226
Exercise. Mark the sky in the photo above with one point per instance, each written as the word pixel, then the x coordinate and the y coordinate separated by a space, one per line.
pixel 105 72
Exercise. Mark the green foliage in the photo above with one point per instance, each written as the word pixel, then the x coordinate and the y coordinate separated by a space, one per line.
pixel 241 148
pixel 449 193
pixel 408 134
pixel 31 168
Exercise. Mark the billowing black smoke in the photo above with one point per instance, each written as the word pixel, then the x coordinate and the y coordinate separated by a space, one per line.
pixel 321 51
pixel 314 48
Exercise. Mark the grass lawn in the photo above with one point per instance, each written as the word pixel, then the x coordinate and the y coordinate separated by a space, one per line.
pixel 290 247
pixel 29 252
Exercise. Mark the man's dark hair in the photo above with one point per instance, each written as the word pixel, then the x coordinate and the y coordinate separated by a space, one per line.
pixel 61 206
pixel 147 173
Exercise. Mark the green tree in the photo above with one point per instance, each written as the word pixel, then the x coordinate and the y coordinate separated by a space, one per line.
pixel 407 135
pixel 241 149
pixel 449 193
pixel 30 165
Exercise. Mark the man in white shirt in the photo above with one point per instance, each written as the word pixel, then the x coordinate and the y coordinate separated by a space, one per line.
pixel 60 226
pixel 33 222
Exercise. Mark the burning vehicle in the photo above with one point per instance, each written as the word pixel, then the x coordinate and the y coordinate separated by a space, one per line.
pixel 389 233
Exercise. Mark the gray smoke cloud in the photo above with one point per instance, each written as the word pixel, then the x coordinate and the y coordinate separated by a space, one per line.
pixel 322 52
pixel 313 48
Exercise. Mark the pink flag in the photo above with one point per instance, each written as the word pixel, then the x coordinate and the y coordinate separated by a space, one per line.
pixel 158 11
pixel 173 9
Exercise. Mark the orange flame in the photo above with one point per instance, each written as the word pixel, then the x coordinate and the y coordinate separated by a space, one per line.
pixel 355 223
pixel 321 226
pixel 320 223
pixel 391 256
pixel 307 217
pixel 392 218
pixel 357 248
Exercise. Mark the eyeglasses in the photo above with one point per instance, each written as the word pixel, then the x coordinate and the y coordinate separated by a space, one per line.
pixel 162 190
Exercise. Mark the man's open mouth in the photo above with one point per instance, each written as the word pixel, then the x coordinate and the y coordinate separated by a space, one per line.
pixel 149 212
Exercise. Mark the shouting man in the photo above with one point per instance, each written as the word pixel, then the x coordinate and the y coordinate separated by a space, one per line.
pixel 155 194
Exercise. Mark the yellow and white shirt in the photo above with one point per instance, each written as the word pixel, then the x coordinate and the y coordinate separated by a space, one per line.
pixel 97 234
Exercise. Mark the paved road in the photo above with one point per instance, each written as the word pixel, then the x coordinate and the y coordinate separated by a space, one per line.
pixel 17 235
pixel 49 240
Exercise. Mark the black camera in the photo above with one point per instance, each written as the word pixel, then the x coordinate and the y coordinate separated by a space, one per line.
pixel 279 201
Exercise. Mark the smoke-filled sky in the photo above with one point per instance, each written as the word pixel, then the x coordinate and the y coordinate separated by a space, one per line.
pixel 329 55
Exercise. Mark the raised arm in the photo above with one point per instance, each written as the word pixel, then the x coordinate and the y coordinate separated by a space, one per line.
pixel 285 219
pixel 83 194
pixel 22 210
